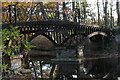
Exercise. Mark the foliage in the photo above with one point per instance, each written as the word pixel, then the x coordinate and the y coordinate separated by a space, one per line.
pixel 11 43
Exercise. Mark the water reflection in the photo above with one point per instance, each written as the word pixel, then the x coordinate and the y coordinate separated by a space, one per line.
pixel 73 63
pixel 97 65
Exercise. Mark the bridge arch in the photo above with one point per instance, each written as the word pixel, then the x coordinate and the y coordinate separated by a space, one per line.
pixel 72 36
pixel 95 48
pixel 97 33
pixel 98 37
pixel 45 35
pixel 95 36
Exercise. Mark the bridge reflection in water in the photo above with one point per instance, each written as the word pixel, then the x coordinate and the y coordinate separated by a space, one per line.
pixel 86 65
pixel 78 60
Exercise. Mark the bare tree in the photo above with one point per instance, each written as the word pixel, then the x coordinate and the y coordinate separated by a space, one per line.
pixel 106 14
pixel 111 15
pixel 84 6
pixel 118 12
pixel 64 15
pixel 105 3
pixel 73 8
pixel 98 11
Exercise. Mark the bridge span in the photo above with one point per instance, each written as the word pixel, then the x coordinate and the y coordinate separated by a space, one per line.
pixel 59 31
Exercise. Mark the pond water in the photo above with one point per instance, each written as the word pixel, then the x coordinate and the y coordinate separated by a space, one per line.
pixel 71 62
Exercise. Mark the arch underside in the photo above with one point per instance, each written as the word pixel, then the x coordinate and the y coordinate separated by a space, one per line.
pixel 99 37
pixel 97 33
pixel 59 38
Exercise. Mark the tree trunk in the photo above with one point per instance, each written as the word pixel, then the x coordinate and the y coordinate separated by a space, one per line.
pixel 78 15
pixel 42 10
pixel 98 12
pixel 41 71
pixel 34 70
pixel 103 22
pixel 57 12
pixel 52 70
pixel 111 20
pixel 84 10
pixel 106 14
pixel 26 62
pixel 73 9
pixel 118 12
pixel 64 15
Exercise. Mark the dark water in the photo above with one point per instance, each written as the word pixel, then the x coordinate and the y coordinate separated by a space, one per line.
pixel 71 63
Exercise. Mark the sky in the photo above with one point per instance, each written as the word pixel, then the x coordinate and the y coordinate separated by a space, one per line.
pixel 93 2
pixel 94 5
